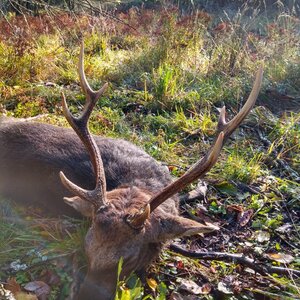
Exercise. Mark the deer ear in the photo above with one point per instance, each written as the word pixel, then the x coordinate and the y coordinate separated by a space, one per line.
pixel 82 206
pixel 170 227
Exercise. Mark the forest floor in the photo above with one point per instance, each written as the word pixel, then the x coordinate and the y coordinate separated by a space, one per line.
pixel 168 76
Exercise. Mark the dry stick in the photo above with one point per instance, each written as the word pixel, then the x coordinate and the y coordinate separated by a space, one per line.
pixel 236 258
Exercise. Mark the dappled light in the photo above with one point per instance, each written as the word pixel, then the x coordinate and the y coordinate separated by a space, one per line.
pixel 156 74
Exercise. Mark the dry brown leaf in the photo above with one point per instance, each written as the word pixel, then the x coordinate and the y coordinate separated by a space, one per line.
pixel 193 288
pixel 6 294
pixel 244 217
pixel 235 208
pixel 206 289
pixel 280 257
pixel 13 286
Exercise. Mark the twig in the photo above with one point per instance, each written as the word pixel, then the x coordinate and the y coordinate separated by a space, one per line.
pixel 285 241
pixel 6 19
pixel 245 187
pixel 272 295
pixel 236 258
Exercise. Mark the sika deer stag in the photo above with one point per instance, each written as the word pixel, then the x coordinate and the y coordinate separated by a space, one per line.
pixel 130 198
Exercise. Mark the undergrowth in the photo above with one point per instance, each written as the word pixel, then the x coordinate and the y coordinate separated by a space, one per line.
pixel 168 79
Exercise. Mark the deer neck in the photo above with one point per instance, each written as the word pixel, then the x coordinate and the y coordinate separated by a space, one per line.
pixel 98 287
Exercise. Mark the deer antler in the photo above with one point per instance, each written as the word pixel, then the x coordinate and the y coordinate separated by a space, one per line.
pixel 224 130
pixel 80 125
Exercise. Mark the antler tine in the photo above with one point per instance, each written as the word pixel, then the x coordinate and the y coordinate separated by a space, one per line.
pixel 91 95
pixel 206 163
pixel 80 126
pixel 229 127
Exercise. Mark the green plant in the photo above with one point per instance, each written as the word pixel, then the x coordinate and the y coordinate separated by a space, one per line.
pixel 131 288
pixel 237 167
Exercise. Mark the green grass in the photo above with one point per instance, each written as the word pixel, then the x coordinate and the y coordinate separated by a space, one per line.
pixel 166 85
pixel 32 247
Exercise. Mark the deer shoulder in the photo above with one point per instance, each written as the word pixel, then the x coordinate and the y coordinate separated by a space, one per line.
pixel 32 155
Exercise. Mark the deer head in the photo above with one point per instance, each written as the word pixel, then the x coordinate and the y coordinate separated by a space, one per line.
pixel 129 222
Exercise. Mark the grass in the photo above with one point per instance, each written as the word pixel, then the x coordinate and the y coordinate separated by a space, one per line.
pixel 166 85
pixel 34 247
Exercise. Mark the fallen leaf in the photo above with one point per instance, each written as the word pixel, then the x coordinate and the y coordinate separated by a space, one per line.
pixel 284 228
pixel 244 217
pixel 198 193
pixel 171 168
pixel 280 257
pixel 13 286
pixel 201 189
pixel 237 287
pixel 248 270
pixel 206 289
pixel 262 236
pixel 152 284
pixel 190 286
pixel 6 294
pixel 40 288
pixel 176 296
pixel 180 265
pixel 222 287
pixel 193 288
pixel 235 208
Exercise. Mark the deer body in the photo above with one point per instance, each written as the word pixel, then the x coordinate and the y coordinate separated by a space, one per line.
pixel 33 154
pixel 31 157
pixel 129 197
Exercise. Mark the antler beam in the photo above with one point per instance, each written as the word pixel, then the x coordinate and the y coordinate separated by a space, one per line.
pixel 224 130
pixel 80 125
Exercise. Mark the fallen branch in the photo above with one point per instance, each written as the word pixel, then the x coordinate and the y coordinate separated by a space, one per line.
pixel 236 258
